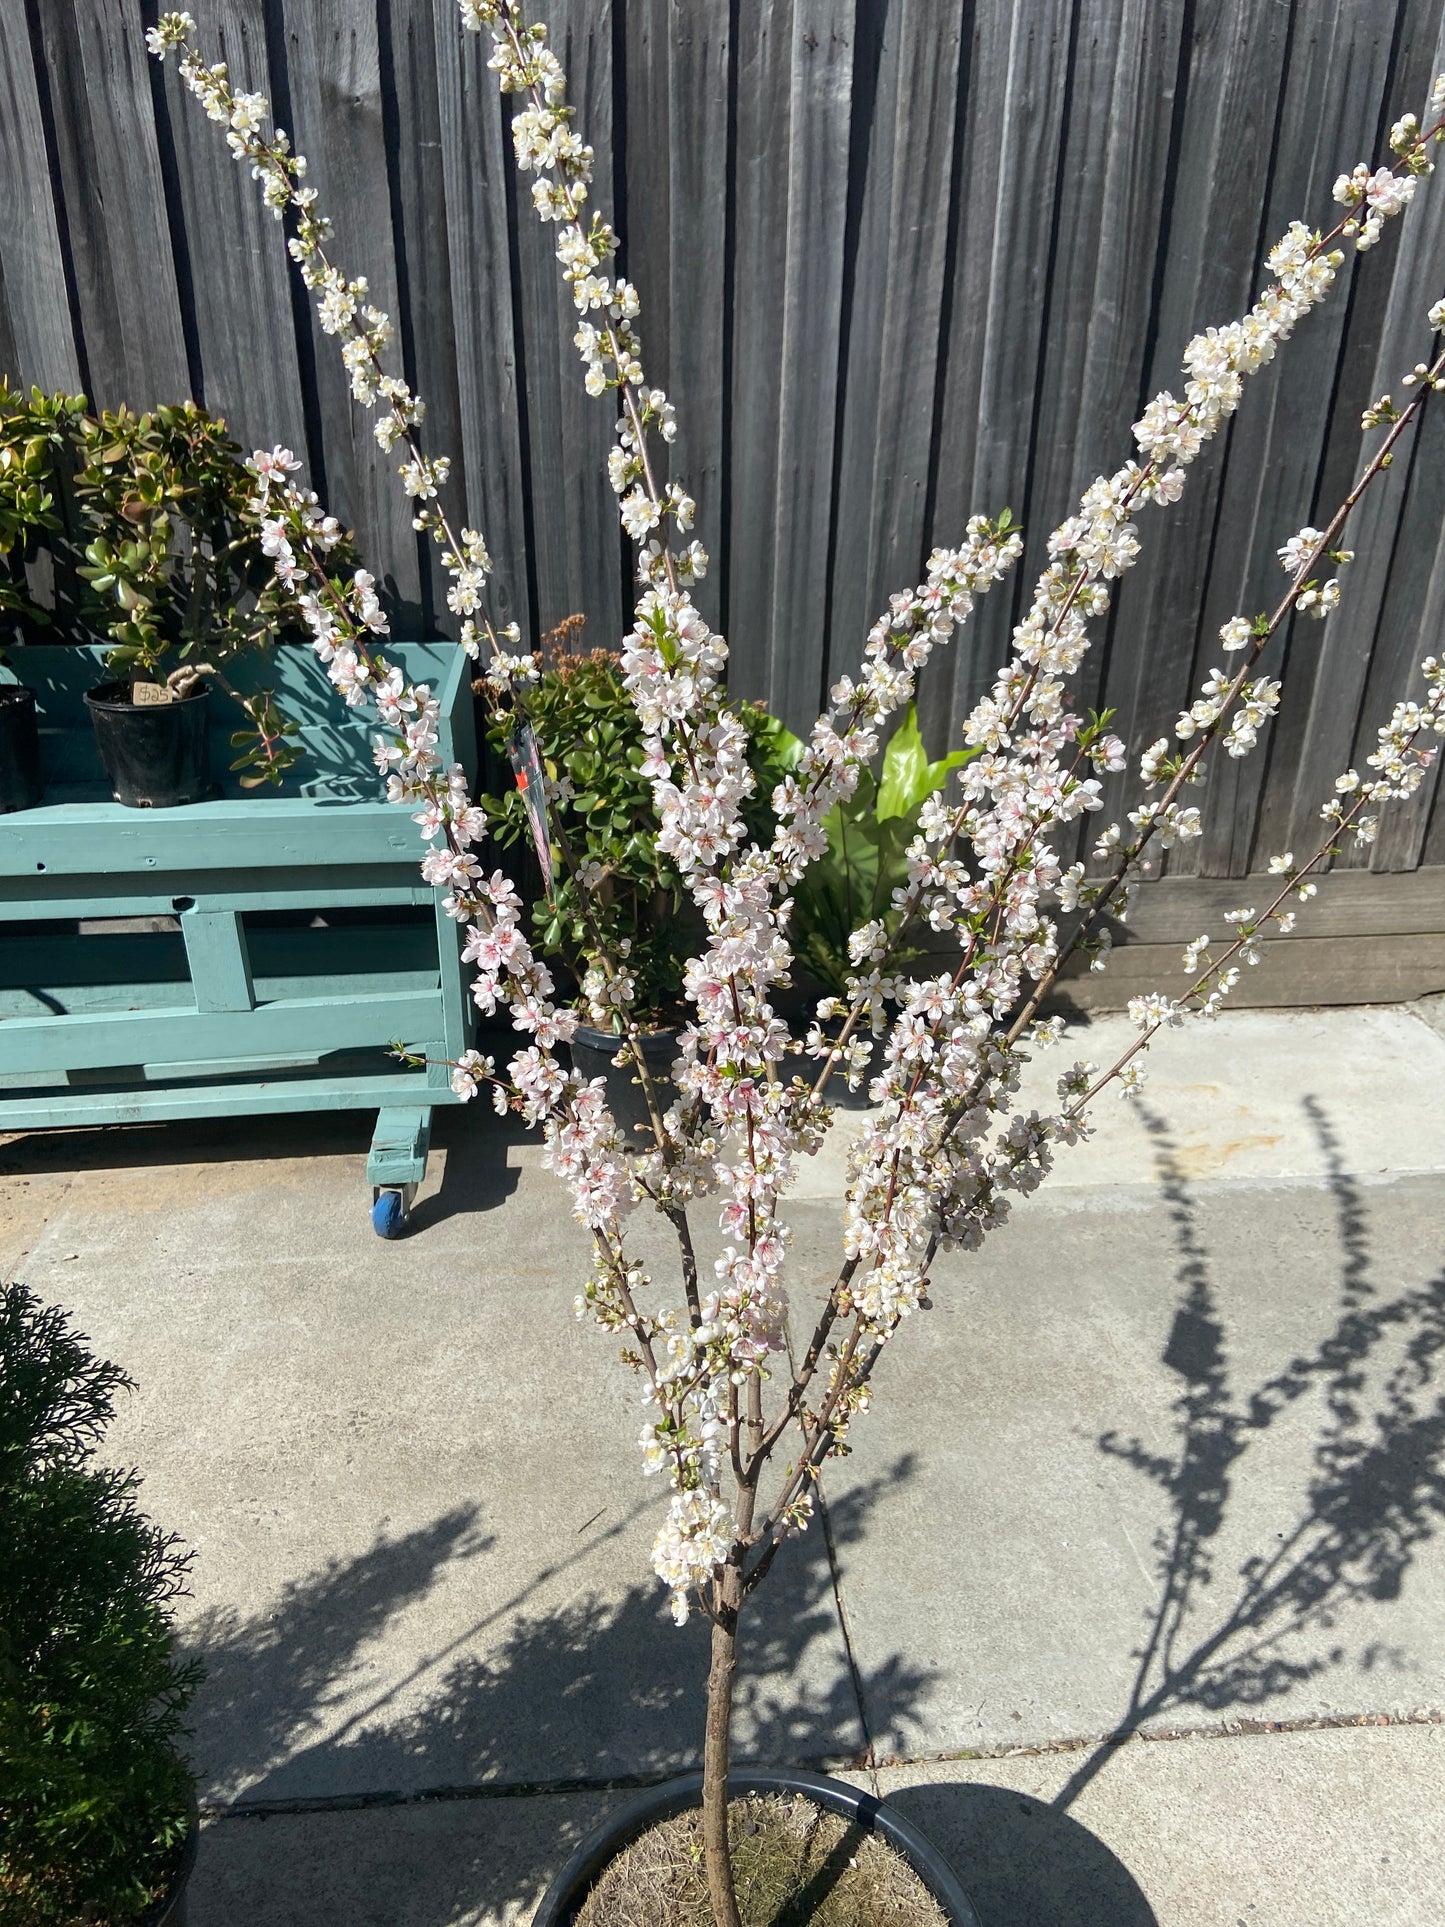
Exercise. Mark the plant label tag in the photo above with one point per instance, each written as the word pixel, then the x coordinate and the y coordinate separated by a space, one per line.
pixel 148 694
pixel 527 767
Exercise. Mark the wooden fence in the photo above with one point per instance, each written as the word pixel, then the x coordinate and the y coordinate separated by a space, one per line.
pixel 899 260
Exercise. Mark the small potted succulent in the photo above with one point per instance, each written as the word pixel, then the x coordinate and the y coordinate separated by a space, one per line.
pixel 97 1808
pixel 608 890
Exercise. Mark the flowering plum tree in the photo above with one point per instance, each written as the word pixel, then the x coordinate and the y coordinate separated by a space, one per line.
pixel 737 1428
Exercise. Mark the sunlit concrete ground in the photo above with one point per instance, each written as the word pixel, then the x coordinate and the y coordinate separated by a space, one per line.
pixel 1164 1460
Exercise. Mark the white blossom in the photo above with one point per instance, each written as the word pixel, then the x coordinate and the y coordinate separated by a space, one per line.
pixel 937 1164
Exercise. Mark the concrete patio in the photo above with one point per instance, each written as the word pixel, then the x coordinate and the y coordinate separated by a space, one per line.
pixel 1165 1459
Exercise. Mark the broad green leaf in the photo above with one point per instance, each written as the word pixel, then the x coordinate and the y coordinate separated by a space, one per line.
pixel 905 768
pixel 908 776
pixel 782 746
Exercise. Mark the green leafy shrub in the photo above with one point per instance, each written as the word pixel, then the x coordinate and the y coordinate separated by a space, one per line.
pixel 590 740
pixel 94 1798
pixel 866 859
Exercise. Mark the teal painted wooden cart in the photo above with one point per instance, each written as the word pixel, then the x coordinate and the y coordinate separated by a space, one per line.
pixel 251 954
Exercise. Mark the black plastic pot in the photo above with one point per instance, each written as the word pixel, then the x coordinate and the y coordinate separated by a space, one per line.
pixel 592 1055
pixel 20 784
pixel 170 1909
pixel 156 755
pixel 568 1891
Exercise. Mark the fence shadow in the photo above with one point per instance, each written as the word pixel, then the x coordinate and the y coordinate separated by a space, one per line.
pixel 540 1693
pixel 1375 1489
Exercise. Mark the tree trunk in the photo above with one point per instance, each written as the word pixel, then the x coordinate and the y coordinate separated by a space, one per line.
pixel 717 1858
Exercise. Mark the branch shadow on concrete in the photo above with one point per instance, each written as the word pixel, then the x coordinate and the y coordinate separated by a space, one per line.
pixel 556 1688
pixel 1375 1489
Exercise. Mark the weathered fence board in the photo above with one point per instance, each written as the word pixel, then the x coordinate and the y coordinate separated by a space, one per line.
pixel 37 305
pixel 1012 132
pixel 696 314
pixel 900 169
pixel 100 84
pixel 1207 273
pixel 899 262
pixel 338 115
pixel 760 217
pixel 238 273
pixel 483 310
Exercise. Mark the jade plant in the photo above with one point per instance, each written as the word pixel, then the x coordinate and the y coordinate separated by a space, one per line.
pixel 95 1798
pixel 748 1401
pixel 175 556
pixel 152 526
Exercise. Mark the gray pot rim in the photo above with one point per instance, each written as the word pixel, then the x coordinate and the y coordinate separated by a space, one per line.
pixel 660 1803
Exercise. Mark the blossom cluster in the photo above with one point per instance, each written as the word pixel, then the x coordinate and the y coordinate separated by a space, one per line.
pixel 946 1150
pixel 1399 762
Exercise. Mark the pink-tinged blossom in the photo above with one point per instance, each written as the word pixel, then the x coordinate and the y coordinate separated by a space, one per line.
pixel 947 1151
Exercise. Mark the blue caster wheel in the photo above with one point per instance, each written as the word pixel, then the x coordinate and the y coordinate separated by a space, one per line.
pixel 389 1212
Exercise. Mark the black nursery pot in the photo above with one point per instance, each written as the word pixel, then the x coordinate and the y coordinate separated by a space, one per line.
pixel 170 1909
pixel 592 1055
pixel 20 784
pixel 565 1896
pixel 156 755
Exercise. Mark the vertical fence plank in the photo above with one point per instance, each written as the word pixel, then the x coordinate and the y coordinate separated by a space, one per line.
pixel 760 174
pixel 574 517
pixel 905 95
pixel 473 141
pixel 1412 626
pixel 820 87
pixel 115 204
pixel 423 251
pixel 1211 245
pixel 1112 181
pixel 237 286
pixel 334 76
pixel 1412 607
pixel 1433 849
pixel 643 218
pixel 699 54
pixel 1017 83
pixel 42 347
pixel 9 360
